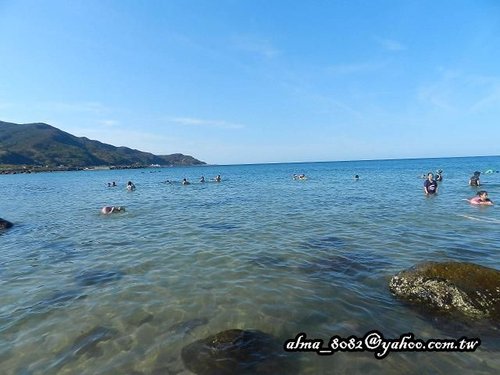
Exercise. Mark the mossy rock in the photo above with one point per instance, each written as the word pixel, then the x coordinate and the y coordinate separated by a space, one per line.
pixel 236 351
pixel 467 289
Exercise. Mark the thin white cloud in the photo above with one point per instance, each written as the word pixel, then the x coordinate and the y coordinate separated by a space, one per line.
pixel 436 95
pixel 108 123
pixel 462 93
pixel 488 93
pixel 490 100
pixel 255 45
pixel 344 69
pixel 6 105
pixel 191 121
pixel 391 45
pixel 87 107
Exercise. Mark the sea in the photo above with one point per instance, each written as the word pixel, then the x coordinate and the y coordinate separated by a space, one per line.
pixel 87 293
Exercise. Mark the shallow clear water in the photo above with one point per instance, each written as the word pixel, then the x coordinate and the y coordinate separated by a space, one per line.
pixel 84 293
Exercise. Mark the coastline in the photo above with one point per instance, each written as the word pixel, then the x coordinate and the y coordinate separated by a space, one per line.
pixel 27 169
pixel 38 169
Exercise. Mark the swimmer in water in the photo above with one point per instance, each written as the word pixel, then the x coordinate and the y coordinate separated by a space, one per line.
pixel 185 182
pixel 130 186
pixel 106 210
pixel 202 179
pixel 481 198
pixel 217 179
pixel 439 175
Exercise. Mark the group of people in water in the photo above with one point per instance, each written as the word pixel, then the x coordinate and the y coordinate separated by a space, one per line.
pixel 130 185
pixel 202 180
pixel 431 187
pixel 106 210
pixel 303 177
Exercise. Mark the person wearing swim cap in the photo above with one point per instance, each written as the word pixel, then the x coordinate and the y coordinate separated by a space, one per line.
pixel 430 185
pixel 481 199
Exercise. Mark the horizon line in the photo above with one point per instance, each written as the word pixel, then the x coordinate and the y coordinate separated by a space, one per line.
pixel 349 160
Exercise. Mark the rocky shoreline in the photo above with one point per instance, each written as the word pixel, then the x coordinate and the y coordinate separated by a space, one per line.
pixel 38 169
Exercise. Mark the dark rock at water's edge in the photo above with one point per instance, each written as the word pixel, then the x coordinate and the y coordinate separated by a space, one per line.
pixel 4 224
pixel 237 351
pixel 467 290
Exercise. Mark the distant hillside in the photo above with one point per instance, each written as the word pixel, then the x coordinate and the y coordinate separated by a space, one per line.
pixel 44 145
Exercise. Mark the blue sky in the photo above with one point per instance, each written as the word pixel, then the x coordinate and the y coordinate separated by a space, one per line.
pixel 232 81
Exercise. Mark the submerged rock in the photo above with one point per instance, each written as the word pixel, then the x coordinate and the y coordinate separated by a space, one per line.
pixel 471 290
pixel 97 277
pixel 323 243
pixel 4 224
pixel 236 352
pixel 85 344
pixel 267 261
pixel 220 226
pixel 187 326
pixel 58 299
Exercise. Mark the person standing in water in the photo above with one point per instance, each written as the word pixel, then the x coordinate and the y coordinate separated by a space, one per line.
pixel 430 185
pixel 130 186
pixel 474 180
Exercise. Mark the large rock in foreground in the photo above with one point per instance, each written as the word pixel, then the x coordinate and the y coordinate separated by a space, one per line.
pixel 236 352
pixel 451 287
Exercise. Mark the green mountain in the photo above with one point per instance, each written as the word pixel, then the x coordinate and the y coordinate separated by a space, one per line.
pixel 44 145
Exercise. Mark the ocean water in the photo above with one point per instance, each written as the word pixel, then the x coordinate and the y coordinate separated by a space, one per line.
pixel 85 293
